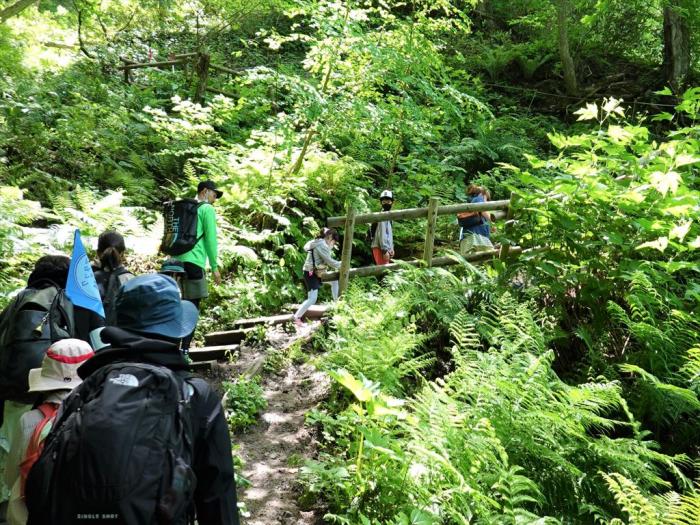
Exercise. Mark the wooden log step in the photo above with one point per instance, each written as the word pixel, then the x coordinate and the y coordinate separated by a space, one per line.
pixel 315 312
pixel 208 353
pixel 227 337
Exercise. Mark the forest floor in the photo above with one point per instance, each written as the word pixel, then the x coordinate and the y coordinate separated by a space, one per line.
pixel 276 447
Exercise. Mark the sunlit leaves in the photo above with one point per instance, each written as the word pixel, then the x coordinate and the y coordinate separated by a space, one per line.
pixel 666 182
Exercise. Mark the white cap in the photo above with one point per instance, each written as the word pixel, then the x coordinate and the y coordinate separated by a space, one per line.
pixel 386 194
pixel 59 368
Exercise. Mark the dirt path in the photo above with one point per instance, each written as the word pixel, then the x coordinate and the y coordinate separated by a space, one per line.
pixel 275 448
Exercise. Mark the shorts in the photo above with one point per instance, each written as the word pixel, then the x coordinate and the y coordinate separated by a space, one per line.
pixel 473 242
pixel 378 257
pixel 194 285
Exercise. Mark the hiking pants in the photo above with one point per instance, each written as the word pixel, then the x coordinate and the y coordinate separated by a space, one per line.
pixel 312 297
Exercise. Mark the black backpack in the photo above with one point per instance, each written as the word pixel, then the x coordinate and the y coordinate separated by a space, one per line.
pixel 371 233
pixel 119 452
pixel 108 284
pixel 180 232
pixel 36 318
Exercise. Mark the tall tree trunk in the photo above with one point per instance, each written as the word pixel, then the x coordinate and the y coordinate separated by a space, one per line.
pixel 676 46
pixel 16 9
pixel 567 62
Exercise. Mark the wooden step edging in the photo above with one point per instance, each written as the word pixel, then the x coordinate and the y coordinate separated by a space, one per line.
pixel 208 353
pixel 315 312
pixel 227 337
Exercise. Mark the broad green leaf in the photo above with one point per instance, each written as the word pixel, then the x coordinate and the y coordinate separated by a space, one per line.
pixel 358 389
pixel 684 160
pixel 590 112
pixel 659 244
pixel 666 182
pixel 681 230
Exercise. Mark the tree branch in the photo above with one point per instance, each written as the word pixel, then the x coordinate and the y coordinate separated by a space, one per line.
pixel 80 34
pixel 16 9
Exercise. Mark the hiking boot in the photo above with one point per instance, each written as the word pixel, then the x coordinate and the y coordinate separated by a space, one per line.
pixel 299 323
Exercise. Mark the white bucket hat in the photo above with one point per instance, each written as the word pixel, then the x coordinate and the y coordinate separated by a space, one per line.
pixel 59 369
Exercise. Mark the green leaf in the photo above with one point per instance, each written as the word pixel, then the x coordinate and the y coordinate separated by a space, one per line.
pixel 666 182
pixel 590 112
pixel 659 244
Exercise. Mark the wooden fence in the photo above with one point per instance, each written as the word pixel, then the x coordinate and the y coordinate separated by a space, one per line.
pixel 501 208
pixel 201 63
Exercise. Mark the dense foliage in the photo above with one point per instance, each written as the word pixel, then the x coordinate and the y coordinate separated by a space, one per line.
pixel 560 386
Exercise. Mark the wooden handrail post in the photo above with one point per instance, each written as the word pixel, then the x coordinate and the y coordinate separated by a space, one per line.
pixel 505 245
pixel 347 250
pixel 202 68
pixel 430 231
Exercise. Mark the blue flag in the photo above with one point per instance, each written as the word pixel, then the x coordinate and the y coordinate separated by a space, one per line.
pixel 82 287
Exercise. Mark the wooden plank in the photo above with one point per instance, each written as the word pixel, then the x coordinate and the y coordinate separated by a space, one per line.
pixel 226 337
pixel 367 271
pixel 418 213
pixel 209 353
pixel 223 69
pixel 345 261
pixel 315 312
pixel 138 65
pixel 430 231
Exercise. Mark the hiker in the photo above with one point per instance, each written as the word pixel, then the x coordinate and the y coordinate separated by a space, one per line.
pixel 475 228
pixel 138 401
pixel 110 274
pixel 382 233
pixel 194 284
pixel 175 270
pixel 318 258
pixel 37 316
pixel 53 382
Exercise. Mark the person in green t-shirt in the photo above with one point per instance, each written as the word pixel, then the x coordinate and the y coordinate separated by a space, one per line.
pixel 194 284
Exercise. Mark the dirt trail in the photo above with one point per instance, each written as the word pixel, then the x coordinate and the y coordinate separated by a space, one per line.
pixel 275 448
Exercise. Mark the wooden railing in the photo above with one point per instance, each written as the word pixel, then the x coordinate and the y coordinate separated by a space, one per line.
pixel 202 66
pixel 348 222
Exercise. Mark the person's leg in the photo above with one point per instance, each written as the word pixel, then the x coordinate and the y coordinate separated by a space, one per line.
pixel 310 301
pixel 335 289
pixel 194 289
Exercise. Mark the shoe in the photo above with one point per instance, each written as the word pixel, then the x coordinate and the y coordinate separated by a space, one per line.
pixel 299 323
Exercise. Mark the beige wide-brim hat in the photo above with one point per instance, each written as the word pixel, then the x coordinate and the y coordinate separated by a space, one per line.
pixel 59 369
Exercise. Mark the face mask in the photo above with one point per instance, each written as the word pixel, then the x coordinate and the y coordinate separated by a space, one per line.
pixel 386 206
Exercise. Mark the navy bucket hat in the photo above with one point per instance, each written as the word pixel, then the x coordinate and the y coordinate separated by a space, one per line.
pixel 151 303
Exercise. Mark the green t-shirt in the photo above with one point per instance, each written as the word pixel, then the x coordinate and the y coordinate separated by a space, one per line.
pixel 207 246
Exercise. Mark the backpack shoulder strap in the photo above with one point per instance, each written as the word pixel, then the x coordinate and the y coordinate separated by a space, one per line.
pixel 36 441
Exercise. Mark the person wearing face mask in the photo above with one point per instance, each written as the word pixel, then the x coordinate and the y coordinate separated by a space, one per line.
pixel 383 233
pixel 194 283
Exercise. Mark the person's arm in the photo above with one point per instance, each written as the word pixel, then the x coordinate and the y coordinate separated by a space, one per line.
pixel 324 252
pixel 211 245
pixel 385 242
pixel 215 495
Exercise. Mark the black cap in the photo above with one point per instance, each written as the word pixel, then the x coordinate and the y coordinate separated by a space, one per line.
pixel 209 185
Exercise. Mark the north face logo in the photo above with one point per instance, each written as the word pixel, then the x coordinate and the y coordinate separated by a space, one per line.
pixel 124 380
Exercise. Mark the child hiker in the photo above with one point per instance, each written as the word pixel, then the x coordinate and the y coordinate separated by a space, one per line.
pixel 318 258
